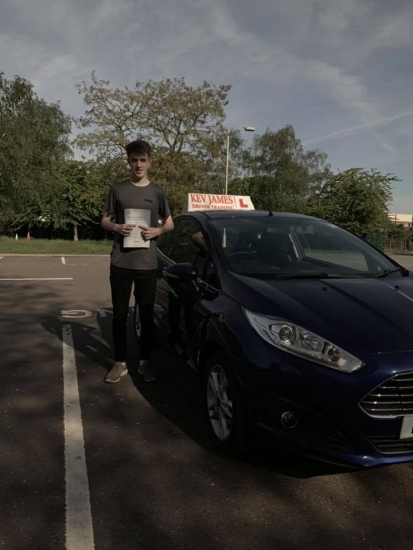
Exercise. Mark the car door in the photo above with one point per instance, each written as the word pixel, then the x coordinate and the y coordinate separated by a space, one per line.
pixel 162 289
pixel 185 310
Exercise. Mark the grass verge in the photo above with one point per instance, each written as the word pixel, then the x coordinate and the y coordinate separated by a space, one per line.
pixel 9 245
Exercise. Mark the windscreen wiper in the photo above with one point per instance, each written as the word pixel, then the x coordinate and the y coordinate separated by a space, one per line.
pixel 389 272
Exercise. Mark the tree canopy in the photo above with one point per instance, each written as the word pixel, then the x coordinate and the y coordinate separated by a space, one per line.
pixel 34 141
pixel 355 199
pixel 281 175
pixel 42 186
pixel 183 123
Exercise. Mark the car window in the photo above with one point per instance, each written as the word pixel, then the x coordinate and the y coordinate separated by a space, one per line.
pixel 322 243
pixel 183 248
pixel 162 242
pixel 286 245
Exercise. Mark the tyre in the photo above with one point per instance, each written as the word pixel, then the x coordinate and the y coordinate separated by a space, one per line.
pixel 223 405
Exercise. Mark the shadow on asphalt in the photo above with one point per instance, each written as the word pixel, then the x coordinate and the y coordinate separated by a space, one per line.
pixel 144 497
pixel 177 396
pixel 84 337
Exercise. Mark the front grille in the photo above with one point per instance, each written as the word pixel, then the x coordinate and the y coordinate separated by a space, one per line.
pixel 392 445
pixel 392 398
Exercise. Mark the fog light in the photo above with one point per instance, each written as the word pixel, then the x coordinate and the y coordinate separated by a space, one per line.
pixel 289 420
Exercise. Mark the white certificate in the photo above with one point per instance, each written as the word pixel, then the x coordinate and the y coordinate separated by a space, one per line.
pixel 137 217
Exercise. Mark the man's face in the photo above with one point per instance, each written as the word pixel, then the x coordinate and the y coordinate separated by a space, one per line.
pixel 139 164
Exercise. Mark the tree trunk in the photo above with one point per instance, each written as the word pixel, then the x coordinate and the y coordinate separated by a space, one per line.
pixel 75 234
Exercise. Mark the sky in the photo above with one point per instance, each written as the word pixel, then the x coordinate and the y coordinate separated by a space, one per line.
pixel 339 71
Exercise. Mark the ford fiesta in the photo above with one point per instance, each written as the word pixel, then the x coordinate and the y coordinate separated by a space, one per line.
pixel 297 329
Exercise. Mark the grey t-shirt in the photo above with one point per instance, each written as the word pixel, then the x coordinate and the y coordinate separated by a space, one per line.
pixel 126 195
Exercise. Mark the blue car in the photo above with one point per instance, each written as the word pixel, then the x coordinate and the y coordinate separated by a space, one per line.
pixel 297 330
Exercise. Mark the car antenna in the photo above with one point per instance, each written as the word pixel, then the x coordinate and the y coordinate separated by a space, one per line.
pixel 270 213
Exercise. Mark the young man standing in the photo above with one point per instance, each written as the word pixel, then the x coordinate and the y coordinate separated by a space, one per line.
pixel 137 262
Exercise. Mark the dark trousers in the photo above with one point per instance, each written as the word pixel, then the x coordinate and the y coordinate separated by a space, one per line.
pixel 145 287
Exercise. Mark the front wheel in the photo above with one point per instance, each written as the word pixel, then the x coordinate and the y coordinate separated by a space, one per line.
pixel 223 404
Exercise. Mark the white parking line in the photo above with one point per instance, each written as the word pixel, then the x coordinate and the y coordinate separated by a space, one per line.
pixel 39 279
pixel 63 260
pixel 79 527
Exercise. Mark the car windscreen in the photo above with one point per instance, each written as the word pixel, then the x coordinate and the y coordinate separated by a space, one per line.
pixel 287 247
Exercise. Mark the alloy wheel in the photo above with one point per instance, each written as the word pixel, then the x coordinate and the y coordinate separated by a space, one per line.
pixel 220 407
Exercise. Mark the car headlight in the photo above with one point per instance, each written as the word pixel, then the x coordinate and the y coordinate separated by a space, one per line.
pixel 299 341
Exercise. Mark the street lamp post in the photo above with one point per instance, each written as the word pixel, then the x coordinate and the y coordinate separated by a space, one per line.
pixel 247 129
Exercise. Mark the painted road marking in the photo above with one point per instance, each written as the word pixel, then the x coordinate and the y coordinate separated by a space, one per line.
pixel 79 527
pixel 63 260
pixel 39 279
pixel 75 313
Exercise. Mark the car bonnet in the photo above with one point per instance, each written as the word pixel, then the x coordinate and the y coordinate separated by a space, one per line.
pixel 364 316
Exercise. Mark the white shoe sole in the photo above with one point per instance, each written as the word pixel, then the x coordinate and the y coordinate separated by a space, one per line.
pixel 120 376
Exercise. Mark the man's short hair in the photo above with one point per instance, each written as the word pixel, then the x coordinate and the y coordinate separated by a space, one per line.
pixel 139 147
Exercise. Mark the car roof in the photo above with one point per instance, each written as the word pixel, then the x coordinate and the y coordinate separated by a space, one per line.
pixel 227 214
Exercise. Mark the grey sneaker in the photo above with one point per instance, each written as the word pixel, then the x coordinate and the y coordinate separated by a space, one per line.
pixel 150 373
pixel 143 365
pixel 116 372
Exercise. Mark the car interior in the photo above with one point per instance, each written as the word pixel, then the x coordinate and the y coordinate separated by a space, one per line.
pixel 257 251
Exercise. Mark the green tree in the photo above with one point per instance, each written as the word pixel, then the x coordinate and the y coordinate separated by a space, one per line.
pixel 355 199
pixel 74 200
pixel 397 237
pixel 168 113
pixel 280 174
pixel 34 139
pixel 81 202
pixel 183 123
pixel 395 230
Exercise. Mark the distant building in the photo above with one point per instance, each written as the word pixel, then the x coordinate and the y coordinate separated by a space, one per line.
pixel 406 220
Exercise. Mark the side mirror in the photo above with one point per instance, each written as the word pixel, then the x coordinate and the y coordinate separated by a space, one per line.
pixel 183 272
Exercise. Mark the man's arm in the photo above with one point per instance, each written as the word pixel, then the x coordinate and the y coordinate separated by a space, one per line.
pixel 168 225
pixel 123 229
pixel 198 239
pixel 107 223
pixel 152 232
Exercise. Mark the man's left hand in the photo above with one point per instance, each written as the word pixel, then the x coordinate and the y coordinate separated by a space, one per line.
pixel 149 233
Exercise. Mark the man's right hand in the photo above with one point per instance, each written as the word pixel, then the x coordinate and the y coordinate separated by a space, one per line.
pixel 124 229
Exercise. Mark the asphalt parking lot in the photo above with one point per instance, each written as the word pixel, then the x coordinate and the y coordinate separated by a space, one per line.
pixel 134 471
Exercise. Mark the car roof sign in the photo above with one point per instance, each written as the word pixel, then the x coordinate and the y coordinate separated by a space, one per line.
pixel 203 202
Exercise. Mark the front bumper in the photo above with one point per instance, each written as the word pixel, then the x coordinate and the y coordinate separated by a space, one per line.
pixel 332 425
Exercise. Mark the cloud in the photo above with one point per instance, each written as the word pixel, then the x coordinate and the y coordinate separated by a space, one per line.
pixel 394 31
pixel 347 89
pixel 337 17
pixel 107 11
pixel 346 132
pixel 210 40
pixel 388 146
pixel 332 68
pixel 395 160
